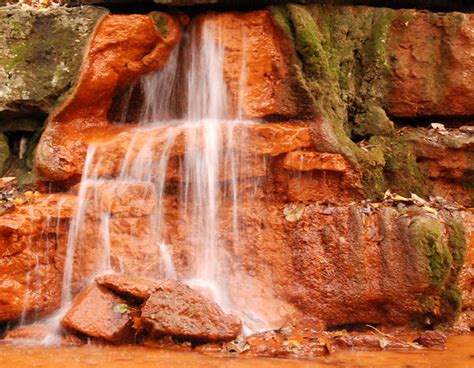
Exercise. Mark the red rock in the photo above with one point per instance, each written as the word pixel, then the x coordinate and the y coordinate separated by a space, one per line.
pixel 133 286
pixel 364 341
pixel 308 160
pixel 251 142
pixel 466 277
pixel 432 65
pixel 95 314
pixel 33 241
pixel 35 332
pixel 123 48
pixel 255 49
pixel 177 310
pixel 432 339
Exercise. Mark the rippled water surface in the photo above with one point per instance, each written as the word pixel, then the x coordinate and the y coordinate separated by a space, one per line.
pixel 460 353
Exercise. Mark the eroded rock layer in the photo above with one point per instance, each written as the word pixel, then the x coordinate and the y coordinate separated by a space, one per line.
pixel 313 253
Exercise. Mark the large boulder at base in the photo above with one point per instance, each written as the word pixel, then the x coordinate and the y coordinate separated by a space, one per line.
pixel 98 312
pixel 133 286
pixel 179 311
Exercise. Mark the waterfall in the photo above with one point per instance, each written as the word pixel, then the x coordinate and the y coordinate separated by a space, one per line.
pixel 186 131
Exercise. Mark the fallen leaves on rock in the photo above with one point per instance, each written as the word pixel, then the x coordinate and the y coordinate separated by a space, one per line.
pixel 121 308
pixel 293 212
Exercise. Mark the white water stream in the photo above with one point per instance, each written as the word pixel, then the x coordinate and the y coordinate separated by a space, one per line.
pixel 187 98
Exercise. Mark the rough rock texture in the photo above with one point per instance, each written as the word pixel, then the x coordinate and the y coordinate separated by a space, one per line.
pixel 95 314
pixel 363 264
pixel 127 209
pixel 177 310
pixel 433 339
pixel 304 259
pixel 255 55
pixel 466 277
pixel 135 287
pixel 432 72
pixel 34 332
pixel 33 239
pixel 122 48
pixel 41 53
pixel 360 64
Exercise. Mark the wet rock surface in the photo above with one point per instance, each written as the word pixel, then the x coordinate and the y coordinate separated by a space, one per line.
pixel 114 58
pixel 433 339
pixel 97 312
pixel 179 311
pixel 133 286
pixel 387 260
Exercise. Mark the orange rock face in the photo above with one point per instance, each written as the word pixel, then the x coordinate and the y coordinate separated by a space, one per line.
pixel 123 48
pixel 33 240
pixel 432 62
pixel 255 65
pixel 350 259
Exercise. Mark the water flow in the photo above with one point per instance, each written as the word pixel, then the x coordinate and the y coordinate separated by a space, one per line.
pixel 186 144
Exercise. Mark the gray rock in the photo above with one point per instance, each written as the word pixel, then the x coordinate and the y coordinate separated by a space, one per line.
pixel 40 55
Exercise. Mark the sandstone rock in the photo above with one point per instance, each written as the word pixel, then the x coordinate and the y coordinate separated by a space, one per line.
pixel 466 277
pixel 34 332
pixel 415 63
pixel 255 49
pixel 307 161
pixel 177 310
pixel 97 312
pixel 364 341
pixel 123 48
pixel 135 287
pixel 432 339
pixel 33 241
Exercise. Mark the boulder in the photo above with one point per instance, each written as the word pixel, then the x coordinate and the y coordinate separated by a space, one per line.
pixel 98 312
pixel 432 339
pixel 136 287
pixel 176 310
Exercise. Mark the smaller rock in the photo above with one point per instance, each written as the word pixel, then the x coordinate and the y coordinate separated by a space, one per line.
pixel 176 310
pixel 133 286
pixel 98 312
pixel 364 341
pixel 432 340
pixel 34 332
pixel 469 129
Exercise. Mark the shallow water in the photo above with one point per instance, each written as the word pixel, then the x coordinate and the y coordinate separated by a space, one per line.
pixel 460 353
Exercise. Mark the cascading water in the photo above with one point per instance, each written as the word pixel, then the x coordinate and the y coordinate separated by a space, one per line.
pixel 188 143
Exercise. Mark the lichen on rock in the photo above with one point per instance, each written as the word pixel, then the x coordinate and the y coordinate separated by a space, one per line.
pixel 41 54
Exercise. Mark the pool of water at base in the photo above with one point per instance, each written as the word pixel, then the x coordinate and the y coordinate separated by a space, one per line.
pixel 459 353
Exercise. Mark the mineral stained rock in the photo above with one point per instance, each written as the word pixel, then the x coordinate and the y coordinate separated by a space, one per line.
pixel 123 48
pixel 98 312
pixel 176 310
pixel 128 285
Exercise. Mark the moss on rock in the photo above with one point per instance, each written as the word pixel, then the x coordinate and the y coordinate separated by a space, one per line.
pixel 441 302
pixel 427 234
pixel 41 53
